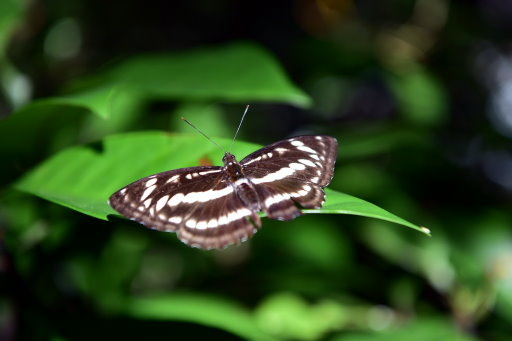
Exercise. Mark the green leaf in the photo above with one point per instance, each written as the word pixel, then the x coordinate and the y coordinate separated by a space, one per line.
pixel 201 309
pixel 82 178
pixel 240 72
pixel 101 100
pixel 234 73
pixel 341 203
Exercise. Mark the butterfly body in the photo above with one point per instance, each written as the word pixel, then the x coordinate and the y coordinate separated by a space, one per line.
pixel 212 207
pixel 242 186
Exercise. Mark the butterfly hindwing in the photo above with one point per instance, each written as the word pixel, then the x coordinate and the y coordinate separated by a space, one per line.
pixel 226 221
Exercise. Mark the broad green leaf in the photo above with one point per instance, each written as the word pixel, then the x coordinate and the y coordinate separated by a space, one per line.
pixel 240 72
pixel 234 73
pixel 201 309
pixel 341 203
pixel 82 178
pixel 101 100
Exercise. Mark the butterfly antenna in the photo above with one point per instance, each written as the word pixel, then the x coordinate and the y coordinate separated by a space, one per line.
pixel 239 125
pixel 200 132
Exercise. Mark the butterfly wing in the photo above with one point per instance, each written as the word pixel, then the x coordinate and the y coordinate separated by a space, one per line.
pixel 291 172
pixel 195 202
pixel 204 206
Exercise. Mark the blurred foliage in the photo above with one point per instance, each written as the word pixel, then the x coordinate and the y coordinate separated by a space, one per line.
pixel 417 92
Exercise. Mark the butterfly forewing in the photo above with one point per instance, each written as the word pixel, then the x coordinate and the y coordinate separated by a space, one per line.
pixel 302 158
pixel 292 171
pixel 157 200
pixel 212 207
pixel 195 202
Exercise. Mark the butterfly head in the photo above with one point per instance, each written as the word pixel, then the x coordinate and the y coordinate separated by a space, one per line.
pixel 229 159
pixel 233 170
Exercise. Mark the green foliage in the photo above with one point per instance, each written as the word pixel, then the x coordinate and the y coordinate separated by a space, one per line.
pixel 413 141
pixel 209 311
pixel 82 177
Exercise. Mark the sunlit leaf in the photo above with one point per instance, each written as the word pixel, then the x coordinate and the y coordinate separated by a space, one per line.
pixel 82 178
pixel 341 203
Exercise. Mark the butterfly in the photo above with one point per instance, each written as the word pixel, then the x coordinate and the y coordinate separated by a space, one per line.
pixel 211 207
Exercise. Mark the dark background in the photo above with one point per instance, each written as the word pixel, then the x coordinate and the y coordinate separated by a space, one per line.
pixel 417 92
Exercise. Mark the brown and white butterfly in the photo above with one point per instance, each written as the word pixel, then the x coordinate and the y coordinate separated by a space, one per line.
pixel 212 207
